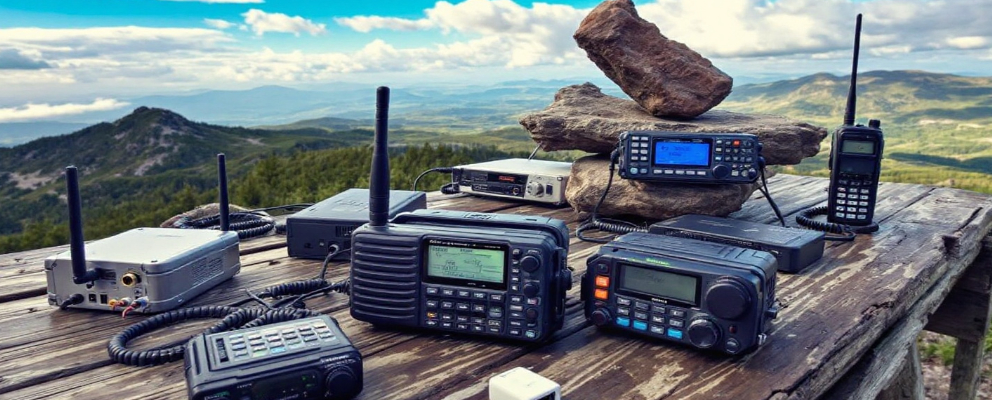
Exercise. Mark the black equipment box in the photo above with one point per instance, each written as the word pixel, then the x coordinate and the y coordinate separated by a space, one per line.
pixel 304 358
pixel 706 295
pixel 461 272
pixel 794 248
pixel 311 232
pixel 690 158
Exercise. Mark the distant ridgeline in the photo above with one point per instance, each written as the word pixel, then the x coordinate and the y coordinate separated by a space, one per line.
pixel 153 164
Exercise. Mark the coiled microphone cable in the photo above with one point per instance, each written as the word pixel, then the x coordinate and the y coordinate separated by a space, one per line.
pixel 232 317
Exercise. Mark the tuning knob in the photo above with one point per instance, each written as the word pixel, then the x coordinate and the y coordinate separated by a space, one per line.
pixel 530 263
pixel 535 189
pixel 341 384
pixel 727 298
pixel 752 173
pixel 703 333
pixel 721 171
pixel 601 317
pixel 531 289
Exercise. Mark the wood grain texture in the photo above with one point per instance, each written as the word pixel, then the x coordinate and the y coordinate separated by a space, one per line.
pixel 832 314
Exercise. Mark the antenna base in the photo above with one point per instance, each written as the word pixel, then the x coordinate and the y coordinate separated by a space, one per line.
pixel 90 276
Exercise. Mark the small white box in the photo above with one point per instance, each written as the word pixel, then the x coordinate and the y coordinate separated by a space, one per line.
pixel 522 384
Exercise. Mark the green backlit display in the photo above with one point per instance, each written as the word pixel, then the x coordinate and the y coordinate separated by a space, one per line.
pixel 466 263
pixel 659 283
pixel 858 147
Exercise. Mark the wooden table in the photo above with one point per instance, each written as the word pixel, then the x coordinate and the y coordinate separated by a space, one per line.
pixel 847 327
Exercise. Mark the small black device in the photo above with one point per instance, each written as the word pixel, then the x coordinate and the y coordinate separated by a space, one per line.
pixel 310 233
pixel 515 178
pixel 855 160
pixel 707 295
pixel 300 359
pixel 795 249
pixel 690 158
pixel 459 272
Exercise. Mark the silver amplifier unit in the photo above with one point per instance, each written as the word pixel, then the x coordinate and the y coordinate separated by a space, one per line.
pixel 516 178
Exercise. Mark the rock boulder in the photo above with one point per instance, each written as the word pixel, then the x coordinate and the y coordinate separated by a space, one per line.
pixel 583 118
pixel 663 76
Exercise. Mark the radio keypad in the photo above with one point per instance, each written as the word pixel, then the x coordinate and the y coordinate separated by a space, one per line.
pixel 854 193
pixel 482 311
pixel 267 342
pixel 656 318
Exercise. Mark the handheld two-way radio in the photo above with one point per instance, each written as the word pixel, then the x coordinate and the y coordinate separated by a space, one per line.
pixel 855 164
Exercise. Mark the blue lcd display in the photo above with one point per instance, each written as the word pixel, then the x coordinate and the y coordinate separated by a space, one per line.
pixel 682 154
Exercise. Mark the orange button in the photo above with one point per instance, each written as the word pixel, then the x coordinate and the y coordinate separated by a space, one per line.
pixel 737 143
pixel 603 281
pixel 602 294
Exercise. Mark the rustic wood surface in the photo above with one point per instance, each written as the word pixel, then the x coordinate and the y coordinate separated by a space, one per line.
pixel 832 315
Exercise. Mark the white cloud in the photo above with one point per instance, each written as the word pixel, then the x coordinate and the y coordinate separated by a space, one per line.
pixel 222 1
pixel 217 23
pixel 103 41
pixel 42 111
pixel 968 42
pixel 366 24
pixel 261 22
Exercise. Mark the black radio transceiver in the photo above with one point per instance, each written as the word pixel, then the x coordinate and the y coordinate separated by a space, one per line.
pixel 855 161
pixel 707 295
pixel 690 158
pixel 299 359
pixel 795 249
pixel 312 232
pixel 461 272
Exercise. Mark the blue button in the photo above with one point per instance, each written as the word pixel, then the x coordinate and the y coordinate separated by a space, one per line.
pixel 623 321
pixel 641 325
pixel 674 333
pixel 277 350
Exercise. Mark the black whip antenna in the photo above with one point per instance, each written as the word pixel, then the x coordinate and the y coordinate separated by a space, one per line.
pixel 77 245
pixel 852 95
pixel 379 179
pixel 225 211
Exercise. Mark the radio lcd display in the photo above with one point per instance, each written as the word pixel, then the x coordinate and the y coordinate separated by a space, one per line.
pixel 659 283
pixel 858 147
pixel 473 264
pixel 671 153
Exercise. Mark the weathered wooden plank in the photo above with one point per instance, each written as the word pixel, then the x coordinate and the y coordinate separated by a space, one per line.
pixel 908 384
pixel 967 369
pixel 964 314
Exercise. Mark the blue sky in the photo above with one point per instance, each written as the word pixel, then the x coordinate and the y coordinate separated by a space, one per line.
pixel 59 57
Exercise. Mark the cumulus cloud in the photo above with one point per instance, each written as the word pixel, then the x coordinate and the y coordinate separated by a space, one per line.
pixel 261 22
pixel 366 24
pixel 217 23
pixel 103 41
pixel 33 111
pixel 13 59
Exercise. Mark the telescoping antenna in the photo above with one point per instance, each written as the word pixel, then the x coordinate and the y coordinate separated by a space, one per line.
pixel 852 94
pixel 77 245
pixel 225 223
pixel 379 180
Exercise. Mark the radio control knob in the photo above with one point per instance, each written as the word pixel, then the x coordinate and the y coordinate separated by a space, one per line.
pixel 341 384
pixel 721 171
pixel 727 298
pixel 531 314
pixel 531 290
pixel 535 189
pixel 530 263
pixel 703 333
pixel 752 173
pixel 601 317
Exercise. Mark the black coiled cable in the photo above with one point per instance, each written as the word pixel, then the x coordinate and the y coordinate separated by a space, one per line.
pixel 606 224
pixel 846 233
pixel 246 224
pixel 232 318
